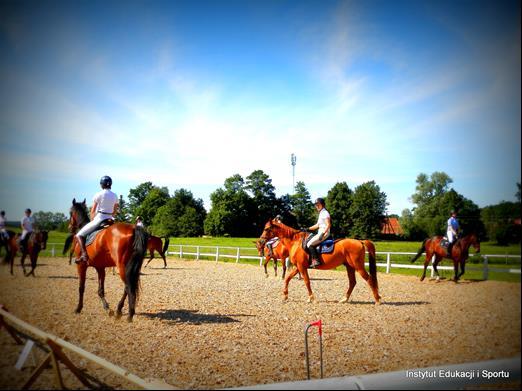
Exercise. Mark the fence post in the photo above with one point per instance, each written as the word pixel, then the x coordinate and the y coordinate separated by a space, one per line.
pixel 432 268
pixel 237 256
pixel 217 253
pixel 52 251
pixel 181 251
pixel 486 271
pixel 388 262
pixel 197 253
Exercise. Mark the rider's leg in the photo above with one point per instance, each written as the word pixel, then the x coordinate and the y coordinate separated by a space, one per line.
pixel 81 235
pixel 314 255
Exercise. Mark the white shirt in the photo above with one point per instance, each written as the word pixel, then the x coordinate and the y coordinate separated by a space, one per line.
pixel 2 222
pixel 321 221
pixel 27 224
pixel 105 201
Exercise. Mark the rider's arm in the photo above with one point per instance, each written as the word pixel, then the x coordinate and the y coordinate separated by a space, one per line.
pixel 328 224
pixel 313 227
pixel 93 210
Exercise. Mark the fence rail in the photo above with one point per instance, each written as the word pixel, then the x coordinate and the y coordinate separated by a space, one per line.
pixel 238 253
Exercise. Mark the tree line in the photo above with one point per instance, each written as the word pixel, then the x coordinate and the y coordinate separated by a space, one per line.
pixel 242 206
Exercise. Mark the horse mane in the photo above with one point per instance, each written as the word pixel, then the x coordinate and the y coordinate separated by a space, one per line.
pixel 81 213
pixel 286 230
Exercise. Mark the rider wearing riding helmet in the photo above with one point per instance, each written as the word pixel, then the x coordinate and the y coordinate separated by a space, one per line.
pixel 3 232
pixel 452 230
pixel 105 207
pixel 27 228
pixel 323 226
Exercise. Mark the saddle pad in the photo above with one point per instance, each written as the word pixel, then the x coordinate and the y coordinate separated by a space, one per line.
pixel 444 243
pixel 104 224
pixel 326 247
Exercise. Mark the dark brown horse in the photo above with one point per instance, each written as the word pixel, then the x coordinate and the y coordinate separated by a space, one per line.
pixel 154 244
pixel 277 251
pixel 347 252
pixel 459 253
pixel 5 242
pixel 121 245
pixel 36 242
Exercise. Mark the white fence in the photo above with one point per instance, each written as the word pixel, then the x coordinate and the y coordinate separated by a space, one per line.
pixel 237 253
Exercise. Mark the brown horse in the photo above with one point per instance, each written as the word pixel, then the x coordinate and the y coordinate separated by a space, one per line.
pixel 347 252
pixel 275 252
pixel 36 242
pixel 154 244
pixel 5 242
pixel 459 253
pixel 120 245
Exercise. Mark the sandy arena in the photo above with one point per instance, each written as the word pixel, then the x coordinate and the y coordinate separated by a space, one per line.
pixel 201 324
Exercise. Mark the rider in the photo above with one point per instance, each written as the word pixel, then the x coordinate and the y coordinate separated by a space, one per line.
pixel 3 232
pixel 272 241
pixel 452 230
pixel 27 229
pixel 139 222
pixel 323 226
pixel 105 207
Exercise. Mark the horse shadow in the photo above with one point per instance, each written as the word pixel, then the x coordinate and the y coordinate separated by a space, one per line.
pixel 192 317
pixel 391 303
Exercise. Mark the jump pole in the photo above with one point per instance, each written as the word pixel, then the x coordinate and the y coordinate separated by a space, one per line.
pixel 319 325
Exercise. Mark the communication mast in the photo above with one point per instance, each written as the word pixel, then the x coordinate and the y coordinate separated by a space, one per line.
pixel 293 160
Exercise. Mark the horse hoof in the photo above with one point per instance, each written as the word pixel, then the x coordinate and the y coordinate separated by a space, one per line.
pixel 311 299
pixel 266 275
pixel 129 319
pixel 118 316
pixel 344 300
pixel 378 302
pixel 285 297
pixel 111 313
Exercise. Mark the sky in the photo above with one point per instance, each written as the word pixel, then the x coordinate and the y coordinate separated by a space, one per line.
pixel 188 93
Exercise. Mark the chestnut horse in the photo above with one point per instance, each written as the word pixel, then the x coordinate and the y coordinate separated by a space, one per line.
pixel 279 251
pixel 120 245
pixel 154 244
pixel 36 242
pixel 347 252
pixel 459 253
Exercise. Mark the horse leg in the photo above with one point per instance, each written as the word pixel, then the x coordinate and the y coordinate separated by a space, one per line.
pixel 132 305
pixel 101 289
pixel 275 265
pixel 265 263
pixel 426 263
pixel 164 260
pixel 306 278
pixel 121 303
pixel 435 270
pixel 82 272
pixel 151 257
pixel 283 264
pixel 22 261
pixel 351 283
pixel 462 268
pixel 33 257
pixel 364 274
pixel 291 275
pixel 456 268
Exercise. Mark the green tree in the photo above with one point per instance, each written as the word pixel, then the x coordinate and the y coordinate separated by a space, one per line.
pixel 429 187
pixel 155 199
pixel 49 221
pixel 181 216
pixel 367 210
pixel 260 187
pixel 232 210
pixel 499 222
pixel 123 214
pixel 517 194
pixel 302 206
pixel 338 203
pixel 137 196
pixel 284 209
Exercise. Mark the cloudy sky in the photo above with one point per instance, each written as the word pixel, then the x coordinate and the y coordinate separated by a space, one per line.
pixel 188 93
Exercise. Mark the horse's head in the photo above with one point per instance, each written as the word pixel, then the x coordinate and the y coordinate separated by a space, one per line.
pixel 268 233
pixel 78 215
pixel 260 247
pixel 474 240
pixel 41 239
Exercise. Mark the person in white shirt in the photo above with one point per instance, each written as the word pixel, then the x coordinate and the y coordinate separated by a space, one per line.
pixel 105 207
pixel 27 228
pixel 3 232
pixel 452 230
pixel 139 222
pixel 323 226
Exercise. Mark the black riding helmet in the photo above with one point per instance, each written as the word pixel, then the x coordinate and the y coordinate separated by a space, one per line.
pixel 320 201
pixel 106 182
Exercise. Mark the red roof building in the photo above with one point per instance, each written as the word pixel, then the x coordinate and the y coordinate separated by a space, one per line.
pixel 391 226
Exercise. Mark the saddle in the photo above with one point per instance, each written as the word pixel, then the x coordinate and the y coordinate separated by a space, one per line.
pixel 325 247
pixel 444 243
pixel 104 224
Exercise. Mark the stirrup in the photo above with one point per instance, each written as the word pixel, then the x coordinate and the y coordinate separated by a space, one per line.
pixel 314 263
pixel 83 258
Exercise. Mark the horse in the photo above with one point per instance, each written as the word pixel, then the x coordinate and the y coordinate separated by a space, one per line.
pixel 347 252
pixel 154 244
pixel 459 253
pixel 36 242
pixel 120 245
pixel 277 251
pixel 5 242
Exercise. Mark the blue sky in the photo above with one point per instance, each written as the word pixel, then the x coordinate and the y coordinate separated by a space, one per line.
pixel 186 94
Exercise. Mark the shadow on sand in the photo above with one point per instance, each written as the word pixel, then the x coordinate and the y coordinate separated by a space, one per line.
pixel 192 317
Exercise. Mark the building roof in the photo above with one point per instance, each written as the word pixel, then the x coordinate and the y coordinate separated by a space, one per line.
pixel 391 226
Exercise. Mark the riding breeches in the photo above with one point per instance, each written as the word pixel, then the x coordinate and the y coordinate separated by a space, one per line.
pixel 91 226
pixel 451 236
pixel 317 238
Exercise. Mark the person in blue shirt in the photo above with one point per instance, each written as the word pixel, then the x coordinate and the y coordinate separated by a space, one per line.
pixel 452 231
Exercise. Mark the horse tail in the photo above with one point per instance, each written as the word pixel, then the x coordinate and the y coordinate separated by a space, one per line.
pixel 166 245
pixel 133 267
pixel 372 260
pixel 67 244
pixel 419 253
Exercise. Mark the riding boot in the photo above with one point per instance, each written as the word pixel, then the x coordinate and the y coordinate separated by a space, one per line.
pixel 314 256
pixel 450 247
pixel 83 257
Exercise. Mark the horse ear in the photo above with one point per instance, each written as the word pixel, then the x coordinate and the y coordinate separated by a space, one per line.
pixel 85 203
pixel 74 201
